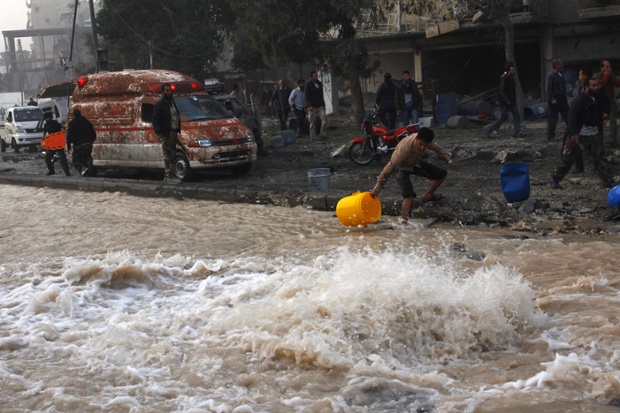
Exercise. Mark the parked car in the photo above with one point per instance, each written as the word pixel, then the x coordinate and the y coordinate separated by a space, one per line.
pixel 23 126
pixel 249 117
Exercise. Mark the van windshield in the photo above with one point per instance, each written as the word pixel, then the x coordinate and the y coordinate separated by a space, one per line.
pixel 25 115
pixel 200 107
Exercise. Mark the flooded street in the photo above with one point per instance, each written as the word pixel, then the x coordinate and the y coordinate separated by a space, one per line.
pixel 110 302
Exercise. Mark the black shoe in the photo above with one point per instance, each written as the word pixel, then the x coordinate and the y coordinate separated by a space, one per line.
pixel 555 184
pixel 50 173
pixel 579 171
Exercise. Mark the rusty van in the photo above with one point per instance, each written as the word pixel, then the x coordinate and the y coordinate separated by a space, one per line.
pixel 120 106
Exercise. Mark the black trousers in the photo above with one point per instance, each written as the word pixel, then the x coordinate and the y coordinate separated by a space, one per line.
pixel 49 156
pixel 82 156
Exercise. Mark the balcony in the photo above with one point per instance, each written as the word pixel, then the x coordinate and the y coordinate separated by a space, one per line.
pixel 597 9
pixel 465 14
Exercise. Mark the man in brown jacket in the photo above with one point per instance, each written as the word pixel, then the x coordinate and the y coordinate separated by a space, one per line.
pixel 407 160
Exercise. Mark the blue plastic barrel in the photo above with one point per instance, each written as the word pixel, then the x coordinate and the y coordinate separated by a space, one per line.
pixel 613 198
pixel 447 106
pixel 515 179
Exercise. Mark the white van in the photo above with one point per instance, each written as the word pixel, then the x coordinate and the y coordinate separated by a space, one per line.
pixel 58 107
pixel 23 126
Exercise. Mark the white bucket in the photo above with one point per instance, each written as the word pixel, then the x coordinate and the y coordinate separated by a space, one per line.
pixel 319 178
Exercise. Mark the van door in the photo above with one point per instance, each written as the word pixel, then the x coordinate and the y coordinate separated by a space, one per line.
pixel 119 141
pixel 153 152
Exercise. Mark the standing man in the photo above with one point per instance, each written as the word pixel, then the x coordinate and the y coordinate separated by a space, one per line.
pixel 506 97
pixel 608 81
pixel 556 97
pixel 51 126
pixel 585 73
pixel 32 102
pixel 80 138
pixel 167 124
pixel 386 101
pixel 297 101
pixel 279 101
pixel 235 89
pixel 585 128
pixel 407 160
pixel 265 98
pixel 315 104
pixel 408 100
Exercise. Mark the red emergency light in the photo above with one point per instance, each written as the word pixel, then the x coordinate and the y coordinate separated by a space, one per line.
pixel 180 87
pixel 81 82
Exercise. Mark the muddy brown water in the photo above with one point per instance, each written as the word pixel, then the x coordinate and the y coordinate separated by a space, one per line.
pixel 110 302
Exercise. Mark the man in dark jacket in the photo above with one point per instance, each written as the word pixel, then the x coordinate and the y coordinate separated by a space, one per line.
pixel 408 100
pixel 556 97
pixel 506 97
pixel 265 100
pixel 585 128
pixel 279 103
pixel 315 104
pixel 386 101
pixel 167 125
pixel 52 126
pixel 80 138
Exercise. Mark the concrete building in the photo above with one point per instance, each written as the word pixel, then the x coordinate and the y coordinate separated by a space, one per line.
pixel 48 32
pixel 460 47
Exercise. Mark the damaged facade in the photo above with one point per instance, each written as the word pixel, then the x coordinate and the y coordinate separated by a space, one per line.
pixel 460 46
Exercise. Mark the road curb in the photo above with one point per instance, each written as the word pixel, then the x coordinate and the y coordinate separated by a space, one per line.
pixel 317 200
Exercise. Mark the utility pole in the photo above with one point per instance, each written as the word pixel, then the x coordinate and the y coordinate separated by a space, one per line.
pixel 93 24
pixel 73 32
pixel 22 72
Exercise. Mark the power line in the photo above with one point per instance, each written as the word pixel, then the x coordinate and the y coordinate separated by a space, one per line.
pixel 148 42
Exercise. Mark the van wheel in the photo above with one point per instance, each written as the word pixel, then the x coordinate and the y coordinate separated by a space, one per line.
pixel 241 169
pixel 181 168
pixel 2 145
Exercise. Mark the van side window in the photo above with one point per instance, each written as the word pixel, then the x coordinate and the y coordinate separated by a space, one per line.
pixel 56 112
pixel 147 112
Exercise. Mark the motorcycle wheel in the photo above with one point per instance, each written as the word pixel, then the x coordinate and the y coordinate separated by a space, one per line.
pixel 360 153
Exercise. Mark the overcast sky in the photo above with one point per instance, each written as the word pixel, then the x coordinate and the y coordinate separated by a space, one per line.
pixel 13 16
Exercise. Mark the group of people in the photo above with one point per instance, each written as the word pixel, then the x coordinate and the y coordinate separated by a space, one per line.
pixel 403 97
pixel 79 141
pixel 584 119
pixel 307 102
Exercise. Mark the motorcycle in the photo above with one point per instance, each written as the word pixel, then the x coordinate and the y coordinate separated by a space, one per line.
pixel 379 140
